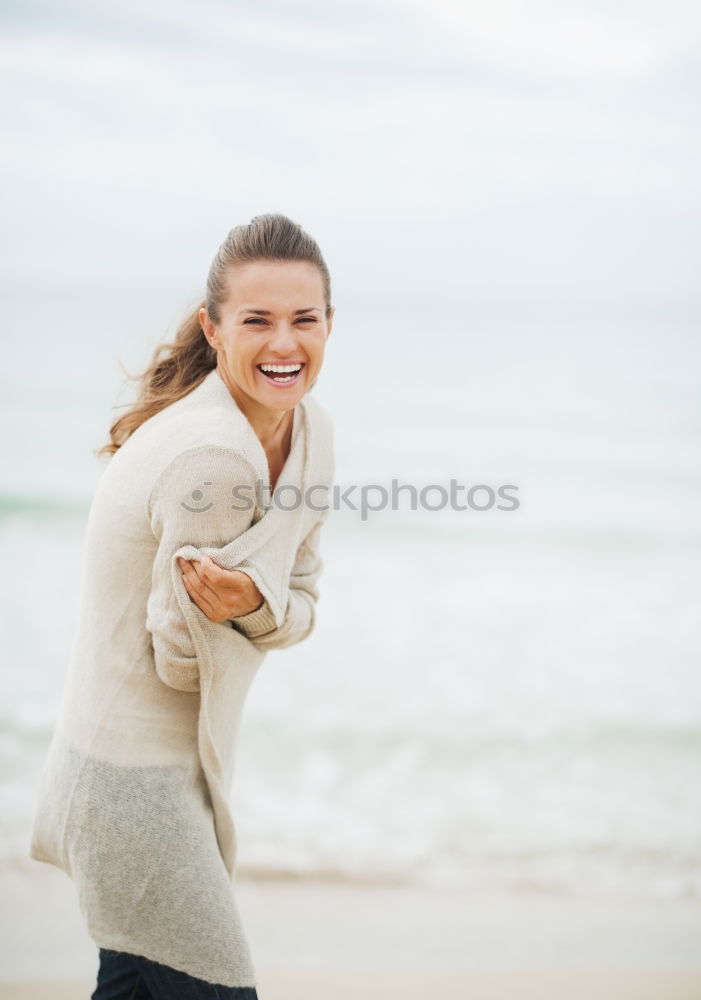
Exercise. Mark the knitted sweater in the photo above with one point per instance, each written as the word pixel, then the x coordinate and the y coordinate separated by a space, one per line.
pixel 133 796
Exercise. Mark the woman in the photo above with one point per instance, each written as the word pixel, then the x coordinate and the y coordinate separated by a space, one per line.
pixel 192 572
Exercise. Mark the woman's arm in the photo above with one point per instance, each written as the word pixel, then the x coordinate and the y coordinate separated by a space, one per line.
pixel 218 592
pixel 303 594
pixel 191 503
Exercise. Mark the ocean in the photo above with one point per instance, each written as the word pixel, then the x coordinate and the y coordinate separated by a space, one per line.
pixel 492 698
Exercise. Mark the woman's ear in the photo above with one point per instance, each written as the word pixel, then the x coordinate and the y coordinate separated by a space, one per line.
pixel 329 320
pixel 208 327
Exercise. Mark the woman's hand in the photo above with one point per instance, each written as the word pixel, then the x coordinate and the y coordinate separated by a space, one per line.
pixel 219 593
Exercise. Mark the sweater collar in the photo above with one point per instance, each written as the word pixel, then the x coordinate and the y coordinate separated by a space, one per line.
pixel 214 384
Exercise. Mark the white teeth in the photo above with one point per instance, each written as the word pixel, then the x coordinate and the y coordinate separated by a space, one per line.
pixel 280 368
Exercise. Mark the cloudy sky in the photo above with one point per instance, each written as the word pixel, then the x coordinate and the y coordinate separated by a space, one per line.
pixel 534 149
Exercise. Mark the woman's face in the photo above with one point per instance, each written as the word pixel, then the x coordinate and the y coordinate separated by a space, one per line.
pixel 273 314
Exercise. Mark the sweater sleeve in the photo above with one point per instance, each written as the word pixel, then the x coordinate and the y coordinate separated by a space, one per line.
pixel 191 503
pixel 302 596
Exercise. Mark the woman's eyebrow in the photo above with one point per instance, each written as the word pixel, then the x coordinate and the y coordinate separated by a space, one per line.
pixel 266 312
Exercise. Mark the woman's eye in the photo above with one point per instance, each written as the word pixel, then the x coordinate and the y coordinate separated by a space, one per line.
pixel 302 319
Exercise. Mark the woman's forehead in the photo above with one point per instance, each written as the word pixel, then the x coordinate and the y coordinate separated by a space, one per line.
pixel 275 285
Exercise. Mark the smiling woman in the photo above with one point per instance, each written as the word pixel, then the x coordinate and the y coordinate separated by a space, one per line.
pixel 269 358
pixel 185 590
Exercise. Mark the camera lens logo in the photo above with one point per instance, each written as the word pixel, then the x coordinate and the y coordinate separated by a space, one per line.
pixel 197 497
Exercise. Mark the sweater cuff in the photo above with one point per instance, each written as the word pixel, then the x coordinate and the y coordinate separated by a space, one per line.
pixel 256 622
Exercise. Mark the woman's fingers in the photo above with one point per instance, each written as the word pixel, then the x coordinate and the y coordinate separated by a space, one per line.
pixel 204 597
pixel 216 591
pixel 199 580
pixel 198 597
pixel 216 575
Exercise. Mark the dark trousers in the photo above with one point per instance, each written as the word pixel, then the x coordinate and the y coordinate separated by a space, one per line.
pixel 122 976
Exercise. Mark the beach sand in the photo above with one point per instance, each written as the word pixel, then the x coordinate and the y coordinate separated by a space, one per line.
pixel 334 941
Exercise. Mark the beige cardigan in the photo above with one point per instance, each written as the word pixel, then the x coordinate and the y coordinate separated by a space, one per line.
pixel 133 796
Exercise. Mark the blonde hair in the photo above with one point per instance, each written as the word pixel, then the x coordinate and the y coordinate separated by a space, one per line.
pixel 178 366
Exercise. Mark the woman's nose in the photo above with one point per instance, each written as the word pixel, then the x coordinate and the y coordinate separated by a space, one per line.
pixel 284 336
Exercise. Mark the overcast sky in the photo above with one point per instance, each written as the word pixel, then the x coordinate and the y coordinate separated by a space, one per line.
pixel 534 147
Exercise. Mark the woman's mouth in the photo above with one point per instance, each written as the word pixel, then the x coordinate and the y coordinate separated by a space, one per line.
pixel 281 374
